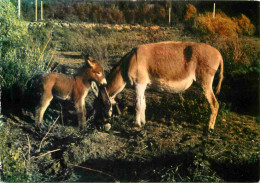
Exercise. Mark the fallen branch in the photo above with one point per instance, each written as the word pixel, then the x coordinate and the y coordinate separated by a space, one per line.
pixel 47 153
pixel 48 133
pixel 29 149
pixel 93 170
pixel 218 153
pixel 61 114
pixel 28 164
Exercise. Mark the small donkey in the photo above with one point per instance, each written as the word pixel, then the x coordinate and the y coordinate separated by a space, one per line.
pixel 70 87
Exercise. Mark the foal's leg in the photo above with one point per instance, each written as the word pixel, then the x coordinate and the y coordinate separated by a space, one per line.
pixel 140 104
pixel 81 113
pixel 207 88
pixel 41 108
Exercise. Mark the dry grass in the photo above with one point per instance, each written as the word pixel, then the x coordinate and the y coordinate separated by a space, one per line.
pixel 220 25
pixel 245 25
pixel 223 26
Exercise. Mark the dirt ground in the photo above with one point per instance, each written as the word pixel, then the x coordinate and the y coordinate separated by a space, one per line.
pixel 173 146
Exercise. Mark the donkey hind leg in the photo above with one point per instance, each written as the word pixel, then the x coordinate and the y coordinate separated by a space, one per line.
pixel 81 113
pixel 41 108
pixel 140 104
pixel 209 94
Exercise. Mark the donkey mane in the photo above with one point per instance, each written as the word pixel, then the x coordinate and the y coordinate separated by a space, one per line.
pixel 123 66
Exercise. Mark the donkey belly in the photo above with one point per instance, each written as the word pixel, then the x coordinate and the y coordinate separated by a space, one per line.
pixel 62 92
pixel 61 95
pixel 172 86
pixel 63 87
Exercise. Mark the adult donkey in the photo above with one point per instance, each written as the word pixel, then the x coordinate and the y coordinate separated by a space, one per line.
pixel 70 87
pixel 165 66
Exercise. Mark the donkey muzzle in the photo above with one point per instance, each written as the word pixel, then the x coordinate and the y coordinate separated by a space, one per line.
pixel 103 82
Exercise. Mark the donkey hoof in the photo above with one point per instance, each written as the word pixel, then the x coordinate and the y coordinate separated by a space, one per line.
pixel 107 127
pixel 142 123
pixel 138 124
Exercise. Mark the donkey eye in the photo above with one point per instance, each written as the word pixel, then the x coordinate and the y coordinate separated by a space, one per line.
pixel 98 73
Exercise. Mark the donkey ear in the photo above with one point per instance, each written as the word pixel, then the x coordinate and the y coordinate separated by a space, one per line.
pixel 90 61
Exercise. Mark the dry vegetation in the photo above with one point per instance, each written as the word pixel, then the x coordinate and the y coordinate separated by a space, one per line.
pixel 221 25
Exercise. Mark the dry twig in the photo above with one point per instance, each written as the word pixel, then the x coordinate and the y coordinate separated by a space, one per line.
pixel 47 153
pixel 93 170
pixel 29 149
pixel 48 133
pixel 61 114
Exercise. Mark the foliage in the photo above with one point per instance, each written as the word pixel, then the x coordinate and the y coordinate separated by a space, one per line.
pixel 12 31
pixel 103 12
pixel 40 34
pixel 14 165
pixel 222 25
pixel 21 57
pixel 18 66
pixel 245 25
pixel 191 12
pixel 241 68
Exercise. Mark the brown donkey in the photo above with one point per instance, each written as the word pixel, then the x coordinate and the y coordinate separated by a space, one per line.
pixel 165 66
pixel 70 87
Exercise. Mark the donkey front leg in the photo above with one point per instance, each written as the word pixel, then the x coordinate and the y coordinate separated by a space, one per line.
pixel 140 105
pixel 81 113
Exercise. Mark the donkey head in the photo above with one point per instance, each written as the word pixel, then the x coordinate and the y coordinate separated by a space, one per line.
pixel 103 104
pixel 96 72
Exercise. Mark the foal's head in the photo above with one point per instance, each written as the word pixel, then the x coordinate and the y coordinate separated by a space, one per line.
pixel 95 72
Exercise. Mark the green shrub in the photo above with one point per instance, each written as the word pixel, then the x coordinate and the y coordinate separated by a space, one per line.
pixel 14 164
pixel 19 55
pixel 40 33
pixel 13 32
pixel 18 66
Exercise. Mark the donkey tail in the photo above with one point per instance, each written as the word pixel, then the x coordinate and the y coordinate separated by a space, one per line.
pixel 220 75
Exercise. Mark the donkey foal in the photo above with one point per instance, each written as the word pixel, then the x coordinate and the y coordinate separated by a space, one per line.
pixel 70 87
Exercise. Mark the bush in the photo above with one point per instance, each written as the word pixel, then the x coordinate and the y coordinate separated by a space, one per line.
pixel 40 33
pixel 245 26
pixel 222 25
pixel 191 12
pixel 241 73
pixel 14 165
pixel 12 31
pixel 20 57
pixel 113 15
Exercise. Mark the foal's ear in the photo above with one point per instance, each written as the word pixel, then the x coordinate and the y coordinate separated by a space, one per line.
pixel 90 61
